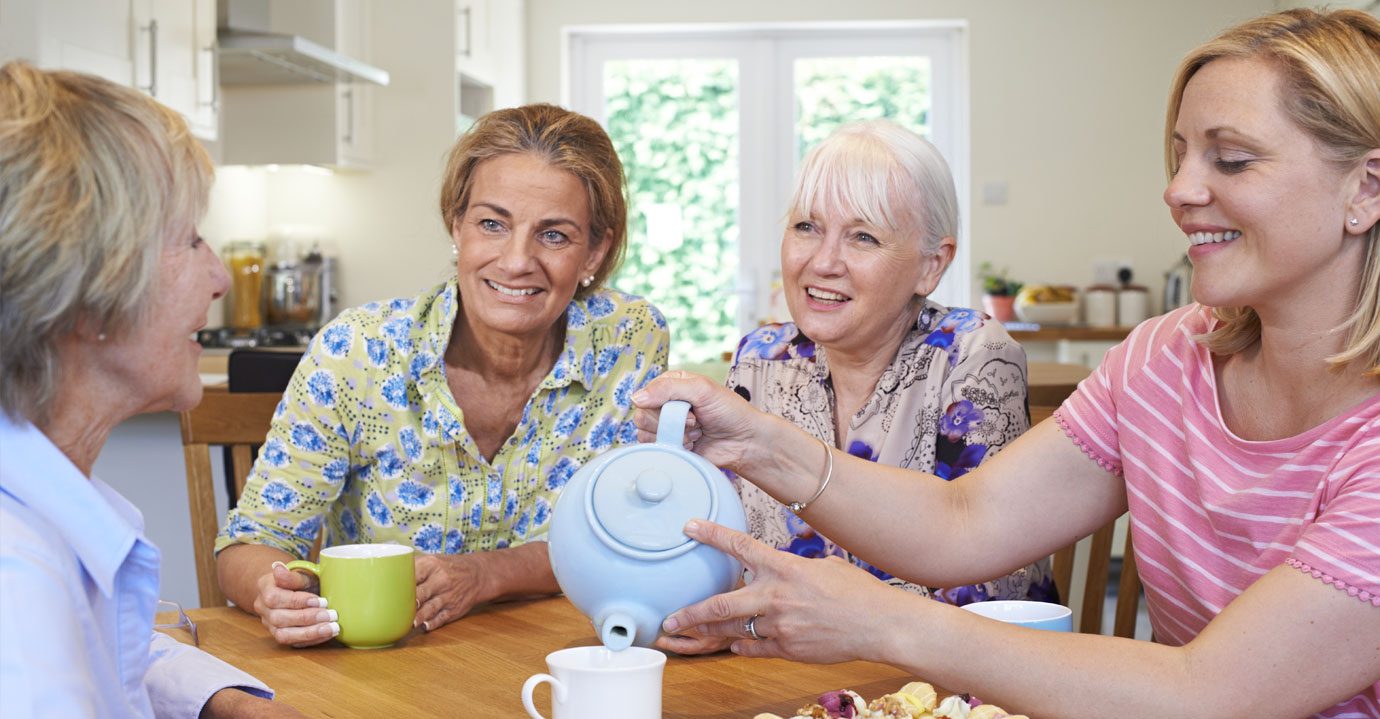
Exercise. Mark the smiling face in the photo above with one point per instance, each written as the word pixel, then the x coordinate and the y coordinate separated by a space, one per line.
pixel 852 287
pixel 524 245
pixel 155 363
pixel 1262 208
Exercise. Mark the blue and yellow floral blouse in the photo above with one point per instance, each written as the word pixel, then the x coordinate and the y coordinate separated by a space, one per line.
pixel 369 438
pixel 954 395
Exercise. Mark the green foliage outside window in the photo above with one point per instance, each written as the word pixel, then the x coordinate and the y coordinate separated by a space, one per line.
pixel 675 125
pixel 831 91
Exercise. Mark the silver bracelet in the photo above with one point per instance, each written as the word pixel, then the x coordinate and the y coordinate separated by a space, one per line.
pixel 798 507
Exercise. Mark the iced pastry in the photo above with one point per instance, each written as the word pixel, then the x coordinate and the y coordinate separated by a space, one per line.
pixel 988 711
pixel 922 691
pixel 902 705
pixel 765 715
pixel 843 704
pixel 953 707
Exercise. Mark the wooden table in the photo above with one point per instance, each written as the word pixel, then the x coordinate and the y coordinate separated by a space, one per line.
pixel 476 667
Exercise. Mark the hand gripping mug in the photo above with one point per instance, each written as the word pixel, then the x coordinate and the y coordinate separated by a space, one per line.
pixel 372 588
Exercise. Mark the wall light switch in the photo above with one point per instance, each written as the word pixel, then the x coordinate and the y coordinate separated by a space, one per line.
pixel 994 193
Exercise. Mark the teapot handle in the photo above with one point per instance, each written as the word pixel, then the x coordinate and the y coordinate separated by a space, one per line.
pixel 670 429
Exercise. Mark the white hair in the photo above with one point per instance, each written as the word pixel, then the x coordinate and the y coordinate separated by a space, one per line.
pixel 884 175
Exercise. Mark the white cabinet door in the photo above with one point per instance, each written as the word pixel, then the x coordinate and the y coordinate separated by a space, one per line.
pixel 80 35
pixel 354 108
pixel 174 43
pixel 474 40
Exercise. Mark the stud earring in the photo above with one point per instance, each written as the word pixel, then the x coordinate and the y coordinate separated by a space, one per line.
pixel 454 252
pixel 1353 221
pixel 100 337
pixel 587 281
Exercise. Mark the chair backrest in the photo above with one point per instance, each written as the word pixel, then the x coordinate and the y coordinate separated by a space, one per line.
pixel 1096 586
pixel 1044 399
pixel 236 421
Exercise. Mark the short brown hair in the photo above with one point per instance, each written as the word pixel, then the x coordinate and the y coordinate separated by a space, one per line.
pixel 1330 63
pixel 563 139
pixel 94 177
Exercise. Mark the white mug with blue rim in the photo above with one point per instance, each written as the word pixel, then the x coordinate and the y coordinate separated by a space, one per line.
pixel 1036 615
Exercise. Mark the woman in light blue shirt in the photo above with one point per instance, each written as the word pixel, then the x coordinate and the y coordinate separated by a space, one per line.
pixel 103 279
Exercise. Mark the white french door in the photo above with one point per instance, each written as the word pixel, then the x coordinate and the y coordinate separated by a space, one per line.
pixel 711 123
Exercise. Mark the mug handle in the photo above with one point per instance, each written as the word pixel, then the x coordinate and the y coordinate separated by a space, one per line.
pixel 557 692
pixel 312 567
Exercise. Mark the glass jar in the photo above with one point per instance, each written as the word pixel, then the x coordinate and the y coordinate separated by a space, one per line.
pixel 245 305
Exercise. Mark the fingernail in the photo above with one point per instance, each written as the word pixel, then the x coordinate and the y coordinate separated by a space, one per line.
pixel 335 629
pixel 692 526
pixel 639 396
pixel 327 616
pixel 426 626
pixel 321 602
pixel 279 564
pixel 671 624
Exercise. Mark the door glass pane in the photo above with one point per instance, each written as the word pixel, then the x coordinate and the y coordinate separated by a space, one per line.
pixel 831 91
pixel 675 126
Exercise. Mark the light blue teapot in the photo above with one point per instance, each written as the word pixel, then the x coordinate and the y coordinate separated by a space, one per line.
pixel 616 543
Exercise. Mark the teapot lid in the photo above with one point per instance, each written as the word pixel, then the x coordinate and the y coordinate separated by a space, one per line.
pixel 640 501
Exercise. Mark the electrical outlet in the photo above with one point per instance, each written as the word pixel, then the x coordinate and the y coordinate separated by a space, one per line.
pixel 1105 270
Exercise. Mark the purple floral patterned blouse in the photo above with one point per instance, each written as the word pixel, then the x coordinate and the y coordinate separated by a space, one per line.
pixel 954 395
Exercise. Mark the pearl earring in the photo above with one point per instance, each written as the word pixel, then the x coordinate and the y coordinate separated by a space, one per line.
pixel 1353 221
pixel 587 281
pixel 100 337
pixel 454 252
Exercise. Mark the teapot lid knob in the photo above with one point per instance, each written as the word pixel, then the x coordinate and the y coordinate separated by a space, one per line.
pixel 653 485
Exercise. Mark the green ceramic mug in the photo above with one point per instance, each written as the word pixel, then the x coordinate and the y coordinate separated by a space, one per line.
pixel 372 588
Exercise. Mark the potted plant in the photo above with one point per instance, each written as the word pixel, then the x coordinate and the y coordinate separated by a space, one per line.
pixel 999 292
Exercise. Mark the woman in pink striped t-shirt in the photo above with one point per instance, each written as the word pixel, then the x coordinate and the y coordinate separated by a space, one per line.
pixel 1242 433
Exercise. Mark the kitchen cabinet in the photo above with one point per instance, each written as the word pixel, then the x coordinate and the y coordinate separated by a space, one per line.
pixel 489 58
pixel 164 47
pixel 304 119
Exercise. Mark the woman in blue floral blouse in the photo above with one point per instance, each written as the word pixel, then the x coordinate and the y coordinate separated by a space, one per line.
pixel 870 365
pixel 451 421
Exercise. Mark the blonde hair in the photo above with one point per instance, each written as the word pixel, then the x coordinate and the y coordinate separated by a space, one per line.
pixel 563 139
pixel 94 178
pixel 1330 63
pixel 864 166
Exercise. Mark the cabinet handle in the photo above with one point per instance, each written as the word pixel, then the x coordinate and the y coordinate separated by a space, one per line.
pixel 468 36
pixel 349 138
pixel 152 30
pixel 214 102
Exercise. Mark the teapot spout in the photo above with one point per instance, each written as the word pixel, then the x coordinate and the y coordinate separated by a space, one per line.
pixel 618 631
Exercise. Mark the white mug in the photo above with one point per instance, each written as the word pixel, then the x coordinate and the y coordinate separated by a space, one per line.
pixel 599 683
pixel 1036 615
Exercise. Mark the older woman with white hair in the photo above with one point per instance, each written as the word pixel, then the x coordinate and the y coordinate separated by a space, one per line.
pixel 870 365
pixel 103 279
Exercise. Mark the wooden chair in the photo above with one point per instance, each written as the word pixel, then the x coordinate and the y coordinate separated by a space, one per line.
pixel 1095 583
pixel 236 421
pixel 1095 586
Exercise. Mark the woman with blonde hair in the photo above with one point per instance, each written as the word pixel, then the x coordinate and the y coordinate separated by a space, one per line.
pixel 103 279
pixel 1242 433
pixel 451 421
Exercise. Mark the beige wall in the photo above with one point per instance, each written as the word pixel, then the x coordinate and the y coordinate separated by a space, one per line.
pixel 1067 108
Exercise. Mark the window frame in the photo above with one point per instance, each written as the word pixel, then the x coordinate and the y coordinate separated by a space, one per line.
pixel 765 53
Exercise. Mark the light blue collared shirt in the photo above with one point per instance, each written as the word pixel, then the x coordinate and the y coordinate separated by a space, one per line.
pixel 78 589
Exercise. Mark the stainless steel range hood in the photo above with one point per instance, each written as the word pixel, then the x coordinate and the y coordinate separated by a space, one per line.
pixel 271 59
pixel 285 42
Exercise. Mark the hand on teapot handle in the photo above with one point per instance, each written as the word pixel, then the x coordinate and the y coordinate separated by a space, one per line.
pixel 722 426
pixel 809 610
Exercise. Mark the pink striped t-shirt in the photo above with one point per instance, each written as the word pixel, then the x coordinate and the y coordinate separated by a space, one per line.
pixel 1210 512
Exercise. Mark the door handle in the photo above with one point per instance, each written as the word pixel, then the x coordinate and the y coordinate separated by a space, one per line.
pixel 152 30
